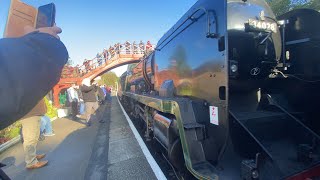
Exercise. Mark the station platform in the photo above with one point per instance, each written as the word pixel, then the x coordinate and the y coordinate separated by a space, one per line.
pixel 103 151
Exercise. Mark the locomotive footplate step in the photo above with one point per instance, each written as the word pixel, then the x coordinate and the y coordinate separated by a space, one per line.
pixel 291 146
pixel 206 168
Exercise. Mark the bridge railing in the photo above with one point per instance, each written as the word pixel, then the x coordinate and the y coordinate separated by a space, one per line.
pixel 118 51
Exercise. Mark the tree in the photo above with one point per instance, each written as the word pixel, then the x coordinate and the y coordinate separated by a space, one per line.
pixel 311 4
pixel 109 79
pixel 315 4
pixel 280 7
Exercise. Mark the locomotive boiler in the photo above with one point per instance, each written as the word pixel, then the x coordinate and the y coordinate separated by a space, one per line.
pixel 225 93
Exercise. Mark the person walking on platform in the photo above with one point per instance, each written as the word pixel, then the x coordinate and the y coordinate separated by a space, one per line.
pixel 103 87
pixel 80 103
pixel 109 93
pixel 101 100
pixel 73 99
pixel 89 98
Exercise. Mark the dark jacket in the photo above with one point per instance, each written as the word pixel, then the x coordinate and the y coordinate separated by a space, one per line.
pixel 39 110
pixel 79 93
pixel 100 95
pixel 29 68
pixel 89 93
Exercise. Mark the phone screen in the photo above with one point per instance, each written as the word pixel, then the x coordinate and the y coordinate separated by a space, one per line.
pixel 46 15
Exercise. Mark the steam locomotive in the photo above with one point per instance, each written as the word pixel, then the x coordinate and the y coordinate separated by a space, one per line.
pixel 232 92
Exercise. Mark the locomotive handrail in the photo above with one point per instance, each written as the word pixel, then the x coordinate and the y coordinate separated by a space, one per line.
pixel 209 34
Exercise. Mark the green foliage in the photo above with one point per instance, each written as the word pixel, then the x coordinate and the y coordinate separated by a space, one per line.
pixel 51 111
pixel 280 7
pixel 10 132
pixel 312 4
pixel 109 79
pixel 63 98
pixel 14 132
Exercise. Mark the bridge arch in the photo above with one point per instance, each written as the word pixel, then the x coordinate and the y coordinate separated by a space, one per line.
pixel 64 84
pixel 121 55
pixel 116 56
pixel 112 66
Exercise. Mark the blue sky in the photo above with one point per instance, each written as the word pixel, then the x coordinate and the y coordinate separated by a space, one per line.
pixel 90 26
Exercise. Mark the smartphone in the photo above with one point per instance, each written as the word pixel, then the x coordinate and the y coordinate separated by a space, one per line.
pixel 46 15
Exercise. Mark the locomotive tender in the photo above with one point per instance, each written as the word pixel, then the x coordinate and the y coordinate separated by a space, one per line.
pixel 231 92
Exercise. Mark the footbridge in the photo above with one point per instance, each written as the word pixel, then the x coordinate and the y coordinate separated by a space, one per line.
pixel 116 56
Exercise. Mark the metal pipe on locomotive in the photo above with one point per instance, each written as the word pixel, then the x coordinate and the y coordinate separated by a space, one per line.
pixel 231 92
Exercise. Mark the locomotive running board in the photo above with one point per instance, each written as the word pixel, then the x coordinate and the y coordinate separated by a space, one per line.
pixel 201 169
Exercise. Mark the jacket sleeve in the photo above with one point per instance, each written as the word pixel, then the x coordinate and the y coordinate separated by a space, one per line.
pixel 29 68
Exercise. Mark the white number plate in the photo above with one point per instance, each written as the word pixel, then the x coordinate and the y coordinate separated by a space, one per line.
pixel 214 116
pixel 262 25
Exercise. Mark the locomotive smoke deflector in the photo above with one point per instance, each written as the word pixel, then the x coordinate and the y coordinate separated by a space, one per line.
pixel 210 23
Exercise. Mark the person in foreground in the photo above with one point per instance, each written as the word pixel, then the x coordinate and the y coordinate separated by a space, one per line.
pixel 29 68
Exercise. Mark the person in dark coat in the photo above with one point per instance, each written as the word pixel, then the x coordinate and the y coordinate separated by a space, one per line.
pixel 89 98
pixel 29 68
pixel 101 100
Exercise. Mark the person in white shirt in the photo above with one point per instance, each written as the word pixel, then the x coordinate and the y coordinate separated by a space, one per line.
pixel 73 99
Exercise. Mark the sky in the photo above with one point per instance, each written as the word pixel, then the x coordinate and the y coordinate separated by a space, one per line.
pixel 90 26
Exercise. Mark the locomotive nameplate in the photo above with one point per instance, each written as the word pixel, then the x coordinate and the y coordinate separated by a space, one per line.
pixel 262 25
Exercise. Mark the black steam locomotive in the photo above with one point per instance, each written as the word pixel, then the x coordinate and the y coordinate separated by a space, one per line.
pixel 232 92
